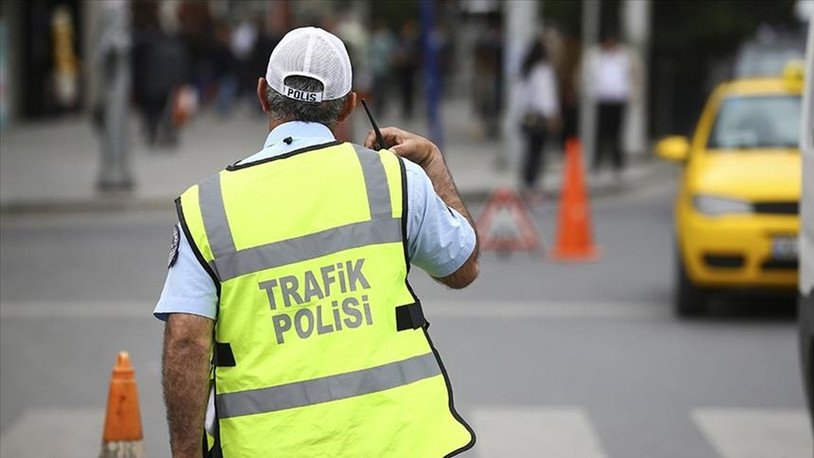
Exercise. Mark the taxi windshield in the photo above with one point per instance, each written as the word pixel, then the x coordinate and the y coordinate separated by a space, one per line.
pixel 757 122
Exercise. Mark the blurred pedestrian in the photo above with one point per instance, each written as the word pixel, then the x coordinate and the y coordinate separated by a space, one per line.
pixel 569 89
pixel 266 40
pixel 539 108
pixel 66 62
pixel 196 28
pixel 224 69
pixel 382 47
pixel 609 81
pixel 488 84
pixel 407 64
pixel 356 38
pixel 162 67
pixel 290 269
pixel 442 42
pixel 244 39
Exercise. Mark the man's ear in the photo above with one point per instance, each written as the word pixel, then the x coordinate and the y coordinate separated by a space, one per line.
pixel 262 90
pixel 347 110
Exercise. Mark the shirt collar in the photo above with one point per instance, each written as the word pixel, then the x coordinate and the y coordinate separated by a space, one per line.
pixel 298 129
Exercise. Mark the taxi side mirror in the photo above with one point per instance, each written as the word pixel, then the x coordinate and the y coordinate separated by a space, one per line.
pixel 675 148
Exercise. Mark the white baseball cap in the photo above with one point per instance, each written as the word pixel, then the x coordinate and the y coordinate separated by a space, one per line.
pixel 315 53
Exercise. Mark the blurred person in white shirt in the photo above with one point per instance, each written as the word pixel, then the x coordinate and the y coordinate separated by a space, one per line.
pixel 539 108
pixel 610 82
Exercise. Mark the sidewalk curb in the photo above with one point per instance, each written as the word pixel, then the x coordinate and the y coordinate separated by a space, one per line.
pixel 99 205
pixel 123 203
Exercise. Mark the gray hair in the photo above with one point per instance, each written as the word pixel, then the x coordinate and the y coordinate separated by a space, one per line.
pixel 285 109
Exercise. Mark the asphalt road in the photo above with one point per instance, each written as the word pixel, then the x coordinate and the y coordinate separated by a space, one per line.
pixel 547 360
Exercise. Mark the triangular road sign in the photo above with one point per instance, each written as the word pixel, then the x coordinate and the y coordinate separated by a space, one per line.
pixel 505 224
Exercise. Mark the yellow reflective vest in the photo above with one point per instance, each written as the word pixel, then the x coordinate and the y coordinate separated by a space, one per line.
pixel 321 346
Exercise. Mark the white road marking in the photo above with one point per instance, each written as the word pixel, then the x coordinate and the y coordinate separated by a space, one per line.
pixel 756 433
pixel 442 309
pixel 54 433
pixel 532 433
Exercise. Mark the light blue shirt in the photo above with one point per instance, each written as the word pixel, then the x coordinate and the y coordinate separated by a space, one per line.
pixel 439 239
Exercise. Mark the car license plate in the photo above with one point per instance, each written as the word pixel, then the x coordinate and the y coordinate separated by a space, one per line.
pixel 784 247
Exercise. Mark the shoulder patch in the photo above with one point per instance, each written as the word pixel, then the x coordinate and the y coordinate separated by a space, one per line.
pixel 176 239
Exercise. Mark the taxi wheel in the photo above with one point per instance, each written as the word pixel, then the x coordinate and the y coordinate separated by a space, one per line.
pixel 690 300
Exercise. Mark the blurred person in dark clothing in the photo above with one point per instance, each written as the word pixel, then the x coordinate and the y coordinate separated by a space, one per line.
pixel 564 52
pixel 569 89
pixel 161 66
pixel 244 43
pixel 540 110
pixel 488 86
pixel 195 24
pixel 407 64
pixel 224 69
pixel 382 46
pixel 258 58
pixel 445 46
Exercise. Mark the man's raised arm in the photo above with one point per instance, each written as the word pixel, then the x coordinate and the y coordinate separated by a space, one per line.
pixel 426 154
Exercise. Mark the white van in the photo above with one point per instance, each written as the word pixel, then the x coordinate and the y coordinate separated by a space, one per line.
pixel 806 242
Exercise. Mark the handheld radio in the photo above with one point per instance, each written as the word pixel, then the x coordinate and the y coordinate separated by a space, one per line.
pixel 379 138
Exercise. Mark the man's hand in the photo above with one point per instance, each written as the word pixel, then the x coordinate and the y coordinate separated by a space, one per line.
pixel 423 152
pixel 185 371
pixel 408 145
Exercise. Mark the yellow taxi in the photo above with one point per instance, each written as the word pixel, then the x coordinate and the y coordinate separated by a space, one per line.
pixel 737 207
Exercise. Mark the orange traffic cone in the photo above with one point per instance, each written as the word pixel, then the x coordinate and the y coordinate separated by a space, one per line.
pixel 574 238
pixel 122 437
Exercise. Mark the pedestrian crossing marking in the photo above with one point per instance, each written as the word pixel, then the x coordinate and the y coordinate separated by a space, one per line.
pixel 54 433
pixel 532 433
pixel 502 432
pixel 756 433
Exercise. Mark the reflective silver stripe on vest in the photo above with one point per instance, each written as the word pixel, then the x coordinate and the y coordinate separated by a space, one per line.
pixel 325 389
pixel 230 263
pixel 213 212
pixel 306 247
pixel 378 193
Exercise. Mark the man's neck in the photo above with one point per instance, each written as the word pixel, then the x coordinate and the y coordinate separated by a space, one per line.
pixel 273 123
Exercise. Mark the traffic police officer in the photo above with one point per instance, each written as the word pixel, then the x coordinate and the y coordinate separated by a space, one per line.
pixel 289 269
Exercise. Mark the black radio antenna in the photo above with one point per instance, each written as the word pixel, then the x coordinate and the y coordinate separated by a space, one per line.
pixel 379 138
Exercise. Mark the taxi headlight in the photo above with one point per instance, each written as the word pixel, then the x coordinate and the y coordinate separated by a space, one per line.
pixel 717 206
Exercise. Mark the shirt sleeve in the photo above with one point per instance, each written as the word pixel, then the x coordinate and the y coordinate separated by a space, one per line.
pixel 439 239
pixel 188 288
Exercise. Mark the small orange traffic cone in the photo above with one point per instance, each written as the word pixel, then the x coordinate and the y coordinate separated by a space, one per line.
pixel 122 437
pixel 574 237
